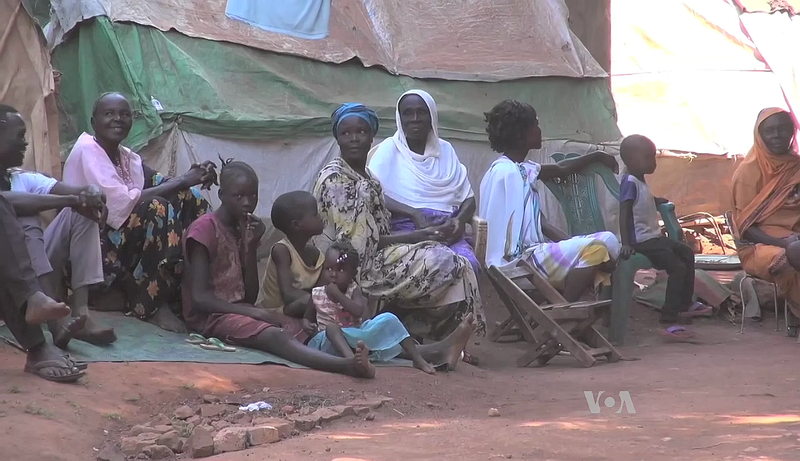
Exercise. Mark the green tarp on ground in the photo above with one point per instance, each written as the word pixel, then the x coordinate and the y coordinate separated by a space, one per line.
pixel 235 92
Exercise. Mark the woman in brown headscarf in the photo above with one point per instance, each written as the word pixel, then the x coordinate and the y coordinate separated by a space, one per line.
pixel 766 198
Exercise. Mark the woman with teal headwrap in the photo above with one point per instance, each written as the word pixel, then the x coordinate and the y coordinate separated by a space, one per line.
pixel 422 281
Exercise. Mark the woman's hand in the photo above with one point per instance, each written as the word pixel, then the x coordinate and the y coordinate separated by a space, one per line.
pixel 201 173
pixel 419 220
pixel 92 204
pixel 440 233
pixel 459 227
pixel 608 160
pixel 791 239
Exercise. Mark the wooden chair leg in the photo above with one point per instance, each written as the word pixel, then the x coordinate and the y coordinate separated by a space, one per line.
pixel 505 329
pixel 593 338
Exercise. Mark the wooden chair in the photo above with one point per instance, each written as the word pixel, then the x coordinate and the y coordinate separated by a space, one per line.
pixel 577 195
pixel 550 328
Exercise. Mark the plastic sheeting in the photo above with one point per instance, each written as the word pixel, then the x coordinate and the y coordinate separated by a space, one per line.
pixel 475 40
pixel 26 83
pixel 686 75
pixel 235 92
pixel 776 36
pixel 287 165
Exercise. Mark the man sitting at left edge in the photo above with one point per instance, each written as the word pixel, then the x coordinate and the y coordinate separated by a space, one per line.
pixel 71 241
pixel 24 306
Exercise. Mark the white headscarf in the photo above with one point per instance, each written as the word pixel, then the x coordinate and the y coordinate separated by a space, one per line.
pixel 435 180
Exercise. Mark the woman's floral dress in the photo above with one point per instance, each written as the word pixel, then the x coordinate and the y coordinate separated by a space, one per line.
pixel 426 284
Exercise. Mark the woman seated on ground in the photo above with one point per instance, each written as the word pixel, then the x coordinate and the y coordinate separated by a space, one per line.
pixel 220 288
pixel 424 183
pixel 422 281
pixel 147 213
pixel 510 203
pixel 766 200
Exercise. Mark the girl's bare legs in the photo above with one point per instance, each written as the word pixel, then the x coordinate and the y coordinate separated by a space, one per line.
pixel 339 342
pixel 277 341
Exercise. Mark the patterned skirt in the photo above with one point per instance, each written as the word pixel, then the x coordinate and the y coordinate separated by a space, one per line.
pixel 143 257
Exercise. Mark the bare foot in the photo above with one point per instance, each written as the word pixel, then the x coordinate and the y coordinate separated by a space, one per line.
pixel 63 330
pixel 362 368
pixel 41 308
pixel 457 341
pixel 424 366
pixel 94 333
pixel 165 319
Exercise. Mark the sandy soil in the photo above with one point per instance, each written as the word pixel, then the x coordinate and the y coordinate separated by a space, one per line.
pixel 733 397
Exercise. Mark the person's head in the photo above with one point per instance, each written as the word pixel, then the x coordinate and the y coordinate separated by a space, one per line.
pixel 295 214
pixel 341 264
pixel 639 154
pixel 354 127
pixel 112 118
pixel 238 188
pixel 416 116
pixel 513 126
pixel 776 130
pixel 12 137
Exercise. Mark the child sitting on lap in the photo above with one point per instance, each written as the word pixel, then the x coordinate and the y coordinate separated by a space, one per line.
pixel 339 306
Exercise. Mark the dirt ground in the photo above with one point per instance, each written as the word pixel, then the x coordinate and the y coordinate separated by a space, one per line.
pixel 732 397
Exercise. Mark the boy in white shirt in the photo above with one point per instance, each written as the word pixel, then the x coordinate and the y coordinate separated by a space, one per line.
pixel 641 233
pixel 73 237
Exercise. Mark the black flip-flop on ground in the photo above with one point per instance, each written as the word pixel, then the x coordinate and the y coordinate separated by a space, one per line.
pixel 38 368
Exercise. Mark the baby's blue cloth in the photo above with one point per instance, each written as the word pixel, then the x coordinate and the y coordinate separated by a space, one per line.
pixel 382 336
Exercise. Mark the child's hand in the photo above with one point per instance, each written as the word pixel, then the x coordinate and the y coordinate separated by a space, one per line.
pixel 333 291
pixel 310 327
pixel 254 229
pixel 626 252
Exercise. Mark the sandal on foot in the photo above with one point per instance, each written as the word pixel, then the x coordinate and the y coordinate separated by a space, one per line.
pixel 466 357
pixel 79 364
pixel 196 339
pixel 699 310
pixel 677 333
pixel 39 367
pixel 214 344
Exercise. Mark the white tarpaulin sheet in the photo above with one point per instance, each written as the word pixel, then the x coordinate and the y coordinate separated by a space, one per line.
pixel 686 75
pixel 473 40
pixel 777 36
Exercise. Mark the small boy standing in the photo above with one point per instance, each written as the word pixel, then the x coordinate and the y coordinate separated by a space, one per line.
pixel 641 233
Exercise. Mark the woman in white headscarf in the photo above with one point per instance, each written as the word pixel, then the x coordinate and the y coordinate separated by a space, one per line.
pixel 424 182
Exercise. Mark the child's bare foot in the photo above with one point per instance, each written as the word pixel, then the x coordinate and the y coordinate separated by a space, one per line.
pixel 362 367
pixel 457 341
pixel 41 308
pixel 421 364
